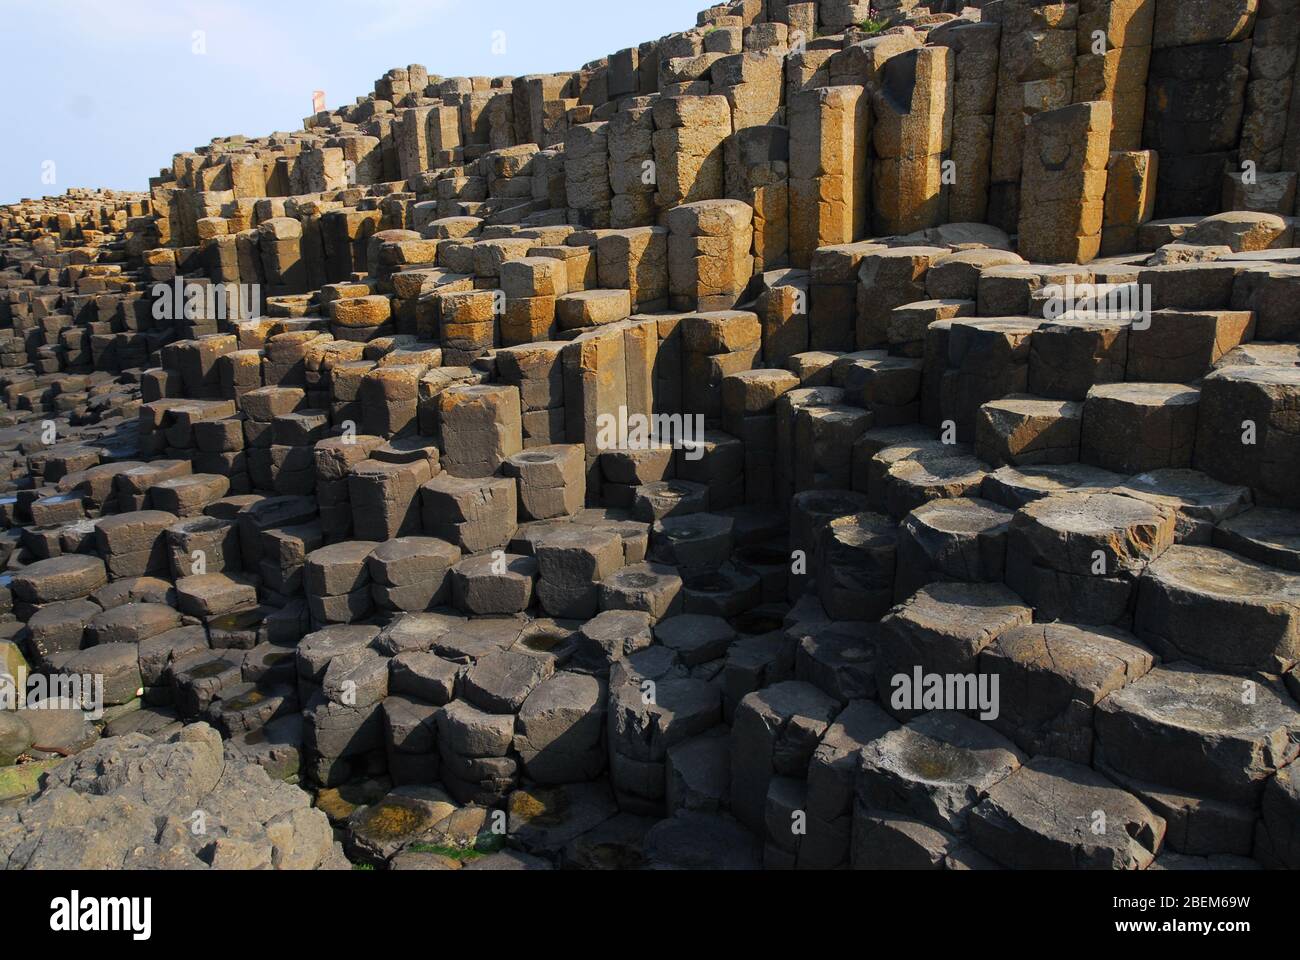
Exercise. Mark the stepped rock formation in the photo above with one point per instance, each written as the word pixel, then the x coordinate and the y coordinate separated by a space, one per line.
pixel 826 437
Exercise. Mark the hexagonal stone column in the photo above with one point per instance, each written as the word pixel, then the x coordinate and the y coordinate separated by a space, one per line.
pixel 855 564
pixel 647 716
pixel 1076 557
pixel 775 733
pixel 1265 535
pixel 1220 610
pixel 1200 502
pixel 552 481
pixel 1277 842
pixel 1050 679
pixel 1053 814
pixel 959 539
pixel 936 768
pixel 559 729
pixel 1247 431
pixel 832 775
pixel 1188 729
pixel 1134 427
pixel 1024 431
pixel 941 630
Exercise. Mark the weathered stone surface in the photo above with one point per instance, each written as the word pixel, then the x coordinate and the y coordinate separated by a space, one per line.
pixel 1200 502
pixel 1215 608
pixel 699 772
pixel 978 400
pixel 1063 183
pixel 1077 556
pixel 1051 678
pixel 124 804
pixel 559 729
pixel 1245 433
pixel 1186 728
pixel 935 768
pixel 1276 841
pixel 701 841
pixel 959 539
pixel 775 733
pixel 60 578
pixel 1042 817
pixel 1264 535
pixel 501 682
pixel 941 630
pixel 1135 427
pixel 888 841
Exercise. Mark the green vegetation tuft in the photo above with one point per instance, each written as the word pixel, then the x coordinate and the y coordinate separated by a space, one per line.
pixel 451 853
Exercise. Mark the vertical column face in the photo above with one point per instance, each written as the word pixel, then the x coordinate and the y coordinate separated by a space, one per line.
pixel 1270 92
pixel 542 90
pixel 1035 74
pixel 757 172
pixel 586 175
pixel 688 138
pixel 829 169
pixel 636 260
pixel 1186 23
pixel 444 130
pixel 805 70
pixel 1114 47
pixel 1064 183
pixel 480 428
pixel 631 165
pixel 753 84
pixel 1291 143
pixel 595 388
pixel 802 19
pixel 709 259
pixel 247 177
pixel 413 141
pixel 363 157
pixel 474 117
pixel 782 308
pixel 322 170
pixel 974 49
pixel 1204 80
pixel 912 130
pixel 624 69
pixel 1130 198
pixel 501 120
pixel 1195 102
pixel 281 250
pixel 521 106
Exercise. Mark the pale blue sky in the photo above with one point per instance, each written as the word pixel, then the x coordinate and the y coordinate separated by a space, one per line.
pixel 108 90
